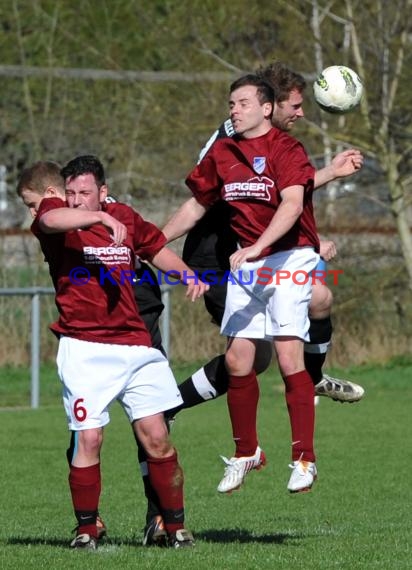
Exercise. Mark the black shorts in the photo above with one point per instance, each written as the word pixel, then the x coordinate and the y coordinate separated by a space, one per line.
pixel 149 302
pixel 151 320
pixel 146 290
pixel 215 298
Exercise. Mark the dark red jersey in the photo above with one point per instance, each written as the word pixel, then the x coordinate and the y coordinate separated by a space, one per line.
pixel 93 277
pixel 250 175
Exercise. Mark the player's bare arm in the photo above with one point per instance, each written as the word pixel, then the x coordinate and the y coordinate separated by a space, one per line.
pixel 183 219
pixel 168 260
pixel 284 218
pixel 345 163
pixel 61 220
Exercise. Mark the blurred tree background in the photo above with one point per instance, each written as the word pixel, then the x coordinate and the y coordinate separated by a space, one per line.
pixel 144 83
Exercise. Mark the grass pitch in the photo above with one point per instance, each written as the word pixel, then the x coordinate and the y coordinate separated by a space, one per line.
pixel 357 515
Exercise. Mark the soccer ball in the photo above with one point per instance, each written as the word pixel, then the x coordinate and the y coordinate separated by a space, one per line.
pixel 338 89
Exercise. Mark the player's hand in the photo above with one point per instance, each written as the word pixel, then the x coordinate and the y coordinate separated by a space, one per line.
pixel 244 254
pixel 196 288
pixel 327 250
pixel 117 230
pixel 347 162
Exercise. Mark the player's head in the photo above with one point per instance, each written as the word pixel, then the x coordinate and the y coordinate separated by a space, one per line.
pixel 85 182
pixel 289 87
pixel 251 105
pixel 40 180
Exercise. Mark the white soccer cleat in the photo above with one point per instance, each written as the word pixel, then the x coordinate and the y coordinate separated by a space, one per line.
pixel 303 476
pixel 339 390
pixel 237 468
pixel 84 541
pixel 182 538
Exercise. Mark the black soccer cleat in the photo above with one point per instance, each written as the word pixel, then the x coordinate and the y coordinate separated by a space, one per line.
pixel 101 528
pixel 154 533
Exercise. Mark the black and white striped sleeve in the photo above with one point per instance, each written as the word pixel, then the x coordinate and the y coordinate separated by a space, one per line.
pixel 225 130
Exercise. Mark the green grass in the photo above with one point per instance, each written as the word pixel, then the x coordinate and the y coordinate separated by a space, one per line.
pixel 357 516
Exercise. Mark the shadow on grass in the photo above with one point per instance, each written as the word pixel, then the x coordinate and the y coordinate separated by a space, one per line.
pixel 35 541
pixel 64 543
pixel 243 536
pixel 223 536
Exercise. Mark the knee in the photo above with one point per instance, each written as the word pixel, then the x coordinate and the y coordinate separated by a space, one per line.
pixel 153 435
pixel 230 362
pixel 158 446
pixel 90 441
pixel 321 302
pixel 286 365
pixel 290 361
pixel 236 365
pixel 328 299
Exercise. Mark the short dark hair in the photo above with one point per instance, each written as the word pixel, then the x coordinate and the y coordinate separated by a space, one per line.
pixel 84 164
pixel 265 92
pixel 282 79
pixel 39 176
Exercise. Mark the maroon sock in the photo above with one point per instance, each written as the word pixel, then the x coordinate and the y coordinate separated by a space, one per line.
pixel 300 395
pixel 242 401
pixel 166 478
pixel 85 487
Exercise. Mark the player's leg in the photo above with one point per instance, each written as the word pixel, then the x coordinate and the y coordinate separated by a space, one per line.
pixel 320 330
pixel 212 380
pixel 299 394
pixel 70 454
pixel 164 472
pixel 288 310
pixel 242 401
pixel 264 355
pixel 320 333
pixel 85 486
pixel 86 405
pixel 151 389
pixel 154 532
pixel 244 323
pixel 149 303
pixel 207 383
pixel 242 395
pixel 243 391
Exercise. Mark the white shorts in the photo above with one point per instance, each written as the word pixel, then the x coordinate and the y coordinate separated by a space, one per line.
pixel 95 374
pixel 270 297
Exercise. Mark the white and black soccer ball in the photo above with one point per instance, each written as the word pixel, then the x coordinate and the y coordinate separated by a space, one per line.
pixel 338 89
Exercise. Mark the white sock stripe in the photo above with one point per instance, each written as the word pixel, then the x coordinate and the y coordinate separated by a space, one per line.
pixel 321 348
pixel 202 385
pixel 143 468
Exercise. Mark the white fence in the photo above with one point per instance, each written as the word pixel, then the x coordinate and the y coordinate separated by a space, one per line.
pixel 35 293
